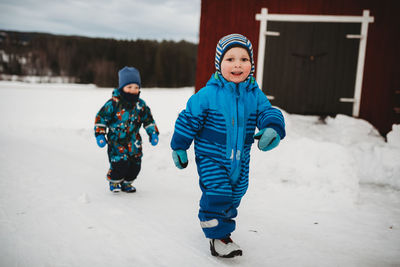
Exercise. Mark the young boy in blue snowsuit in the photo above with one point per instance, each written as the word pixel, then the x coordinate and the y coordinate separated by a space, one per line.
pixel 123 115
pixel 221 119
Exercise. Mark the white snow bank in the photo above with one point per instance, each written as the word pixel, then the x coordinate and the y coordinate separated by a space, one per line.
pixel 369 158
pixel 393 137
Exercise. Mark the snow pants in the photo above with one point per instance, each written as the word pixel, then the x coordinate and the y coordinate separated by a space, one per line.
pixel 220 198
pixel 126 170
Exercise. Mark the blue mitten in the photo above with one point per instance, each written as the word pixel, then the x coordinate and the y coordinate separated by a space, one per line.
pixel 268 139
pixel 180 158
pixel 154 139
pixel 101 140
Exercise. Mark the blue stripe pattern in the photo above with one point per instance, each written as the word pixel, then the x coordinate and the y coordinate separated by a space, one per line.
pixel 272 118
pixel 214 177
pixel 250 128
pixel 186 128
pixel 212 139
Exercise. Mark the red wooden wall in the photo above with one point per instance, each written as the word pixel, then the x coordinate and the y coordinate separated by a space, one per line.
pixel 381 83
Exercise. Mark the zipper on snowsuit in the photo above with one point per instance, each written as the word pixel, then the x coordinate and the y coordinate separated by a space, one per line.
pixel 235 155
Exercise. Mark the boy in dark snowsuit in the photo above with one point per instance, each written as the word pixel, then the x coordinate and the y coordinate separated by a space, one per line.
pixel 123 115
pixel 221 119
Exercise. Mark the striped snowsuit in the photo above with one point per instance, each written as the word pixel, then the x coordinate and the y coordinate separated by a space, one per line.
pixel 222 118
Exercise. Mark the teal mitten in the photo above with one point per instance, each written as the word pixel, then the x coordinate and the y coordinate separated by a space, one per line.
pixel 180 158
pixel 267 138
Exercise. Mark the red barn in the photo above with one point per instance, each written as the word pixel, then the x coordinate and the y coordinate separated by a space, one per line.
pixel 315 57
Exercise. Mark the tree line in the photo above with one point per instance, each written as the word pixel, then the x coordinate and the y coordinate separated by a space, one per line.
pixel 97 60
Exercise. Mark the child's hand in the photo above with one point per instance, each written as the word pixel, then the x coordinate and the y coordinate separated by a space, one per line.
pixel 268 139
pixel 180 158
pixel 154 139
pixel 101 140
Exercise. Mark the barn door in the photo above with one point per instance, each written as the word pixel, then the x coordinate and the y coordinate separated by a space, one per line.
pixel 310 67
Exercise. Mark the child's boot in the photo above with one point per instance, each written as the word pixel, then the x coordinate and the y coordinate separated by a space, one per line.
pixel 128 187
pixel 115 187
pixel 225 248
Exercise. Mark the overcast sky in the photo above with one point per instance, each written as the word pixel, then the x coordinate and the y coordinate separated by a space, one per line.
pixel 121 19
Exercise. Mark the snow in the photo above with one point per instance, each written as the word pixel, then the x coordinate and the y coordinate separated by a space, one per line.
pixel 329 195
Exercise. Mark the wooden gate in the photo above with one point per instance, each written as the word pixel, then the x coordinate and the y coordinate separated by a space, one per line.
pixel 309 67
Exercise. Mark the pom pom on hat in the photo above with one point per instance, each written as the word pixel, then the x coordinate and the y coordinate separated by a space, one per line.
pixel 229 41
pixel 128 75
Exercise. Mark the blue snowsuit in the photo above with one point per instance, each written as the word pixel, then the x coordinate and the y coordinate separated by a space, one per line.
pixel 222 118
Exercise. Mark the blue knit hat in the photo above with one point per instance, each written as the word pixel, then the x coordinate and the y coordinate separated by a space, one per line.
pixel 229 41
pixel 128 75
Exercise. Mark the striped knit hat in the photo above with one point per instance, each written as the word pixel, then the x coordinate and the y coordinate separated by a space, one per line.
pixel 229 41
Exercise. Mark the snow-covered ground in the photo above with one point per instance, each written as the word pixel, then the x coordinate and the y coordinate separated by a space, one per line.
pixel 329 195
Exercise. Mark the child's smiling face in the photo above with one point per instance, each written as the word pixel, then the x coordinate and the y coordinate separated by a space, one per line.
pixel 236 65
pixel 131 88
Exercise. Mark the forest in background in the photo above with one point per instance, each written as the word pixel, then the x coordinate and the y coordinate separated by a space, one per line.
pixel 97 60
